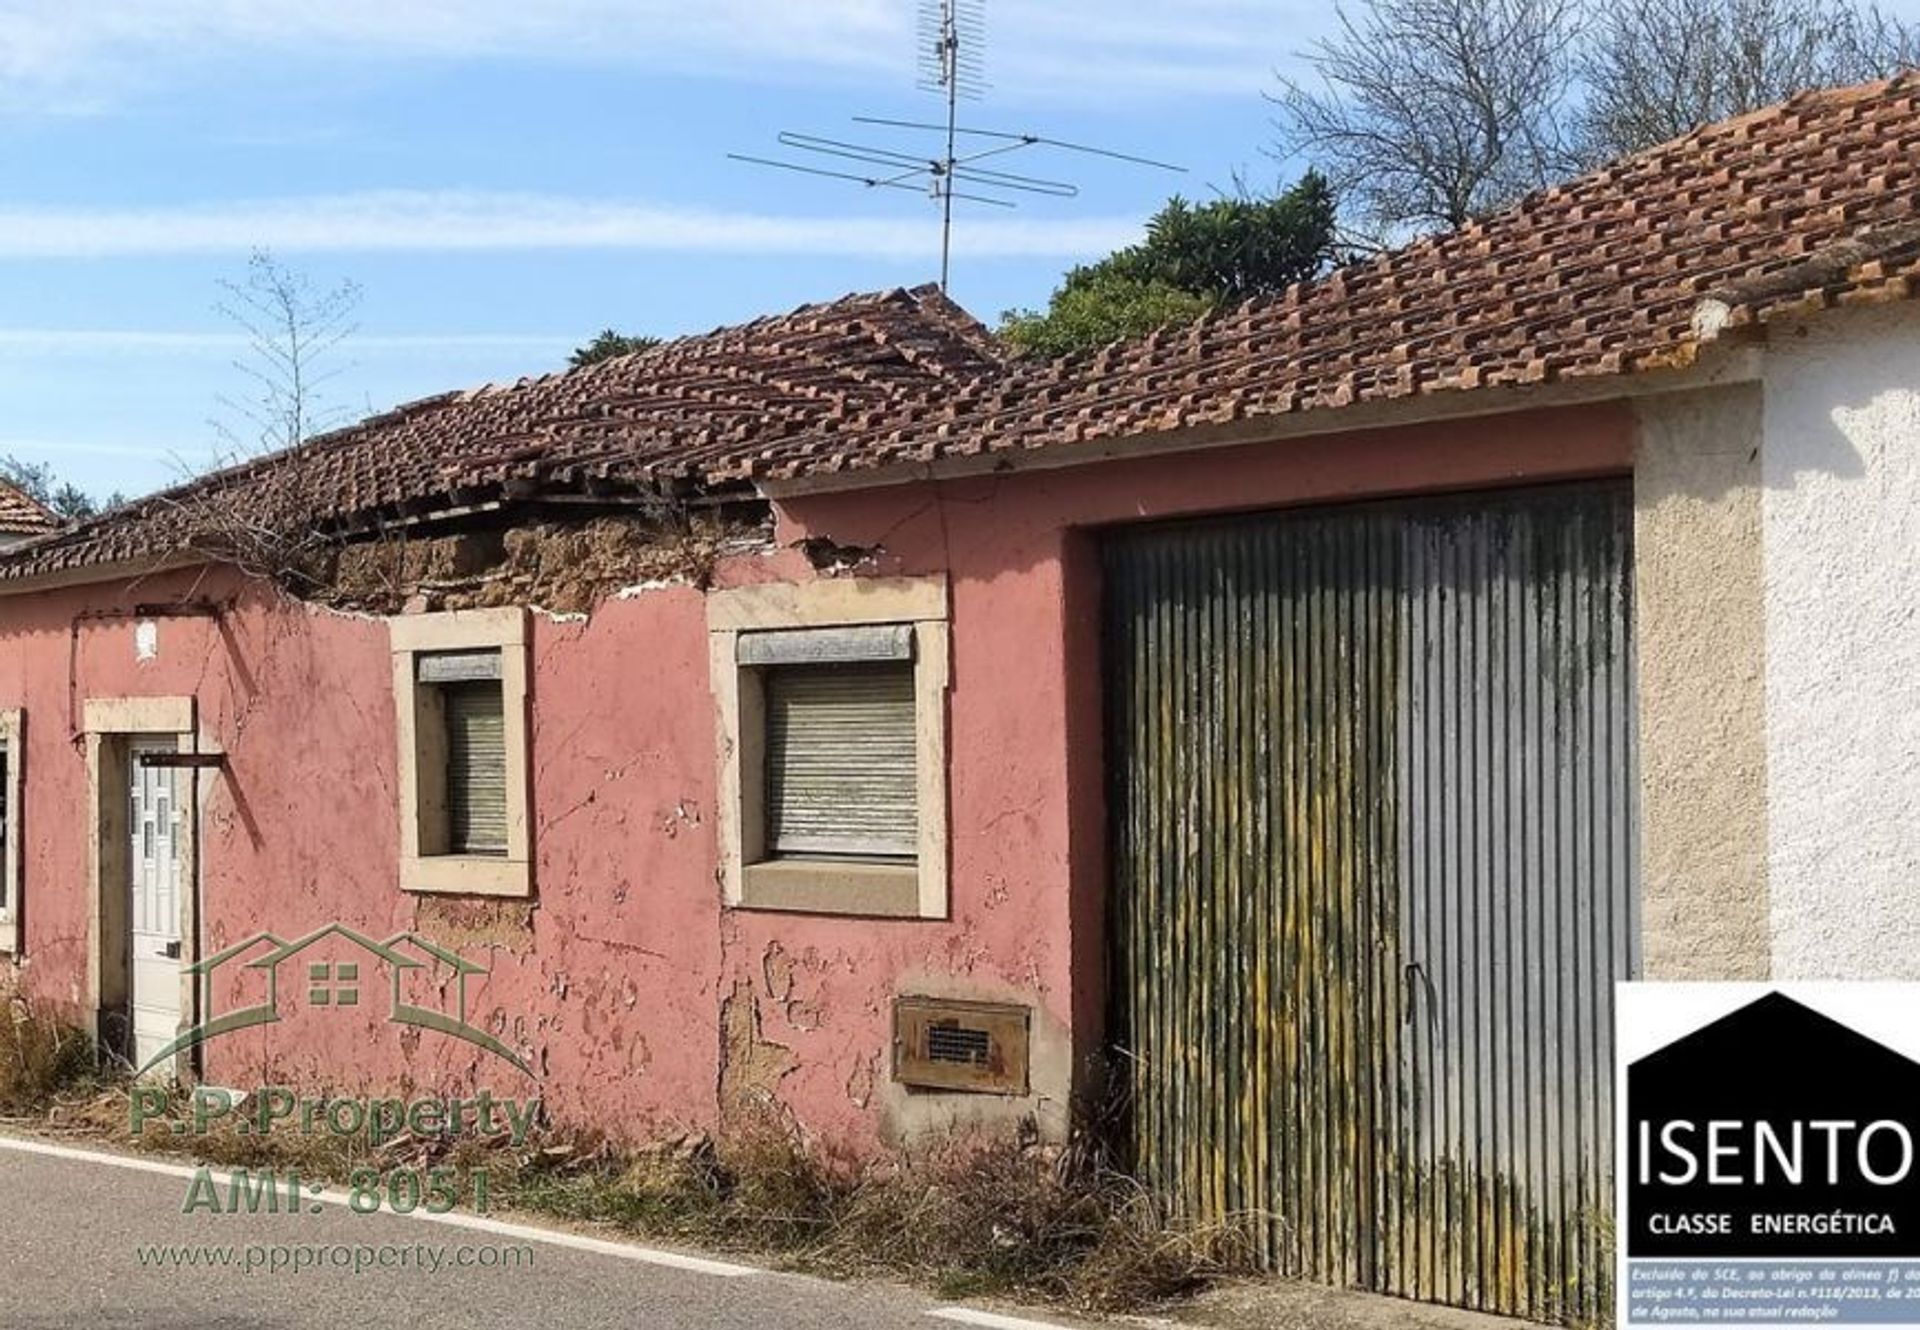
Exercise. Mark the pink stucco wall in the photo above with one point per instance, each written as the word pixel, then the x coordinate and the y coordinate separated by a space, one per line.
pixel 613 985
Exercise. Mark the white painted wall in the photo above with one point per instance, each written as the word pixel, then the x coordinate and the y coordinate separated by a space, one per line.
pixel 1840 510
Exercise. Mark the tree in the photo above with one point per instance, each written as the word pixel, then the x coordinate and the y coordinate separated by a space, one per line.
pixel 1094 307
pixel 608 345
pixel 1427 113
pixel 38 482
pixel 1657 69
pixel 279 525
pixel 294 331
pixel 1195 258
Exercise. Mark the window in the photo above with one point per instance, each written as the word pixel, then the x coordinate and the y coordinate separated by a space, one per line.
pixel 460 684
pixel 11 753
pixel 833 741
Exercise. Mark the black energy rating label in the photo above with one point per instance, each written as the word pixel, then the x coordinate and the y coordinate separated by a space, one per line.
pixel 1765 1160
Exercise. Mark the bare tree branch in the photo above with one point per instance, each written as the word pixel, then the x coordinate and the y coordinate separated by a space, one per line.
pixel 270 518
pixel 1657 69
pixel 1427 113
pixel 293 330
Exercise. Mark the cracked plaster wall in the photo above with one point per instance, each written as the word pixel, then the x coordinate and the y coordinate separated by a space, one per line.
pixel 646 1007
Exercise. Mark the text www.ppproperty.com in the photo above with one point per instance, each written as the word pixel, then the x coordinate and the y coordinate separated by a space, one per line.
pixel 348 1257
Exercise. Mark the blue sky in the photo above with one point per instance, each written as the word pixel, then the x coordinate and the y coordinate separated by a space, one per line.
pixel 505 177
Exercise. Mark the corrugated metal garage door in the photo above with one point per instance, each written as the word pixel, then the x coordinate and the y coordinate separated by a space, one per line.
pixel 1373 809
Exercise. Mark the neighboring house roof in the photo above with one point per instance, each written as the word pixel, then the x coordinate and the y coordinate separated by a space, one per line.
pixel 23 515
pixel 1633 267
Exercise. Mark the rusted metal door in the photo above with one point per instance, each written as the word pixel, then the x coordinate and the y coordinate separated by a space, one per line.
pixel 1373 814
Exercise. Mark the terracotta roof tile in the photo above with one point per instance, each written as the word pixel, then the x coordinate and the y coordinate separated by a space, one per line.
pixel 667 417
pixel 1807 205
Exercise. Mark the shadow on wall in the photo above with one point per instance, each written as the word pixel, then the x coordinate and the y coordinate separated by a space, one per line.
pixel 1840 391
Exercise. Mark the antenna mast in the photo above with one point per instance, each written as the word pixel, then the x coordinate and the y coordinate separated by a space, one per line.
pixel 946 21
pixel 952 38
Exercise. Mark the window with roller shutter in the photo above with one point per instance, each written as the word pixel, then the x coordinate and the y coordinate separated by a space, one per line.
pixel 841 773
pixel 460 689
pixel 473 723
pixel 830 702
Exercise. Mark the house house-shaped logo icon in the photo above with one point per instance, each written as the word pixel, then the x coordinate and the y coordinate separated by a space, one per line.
pixel 331 985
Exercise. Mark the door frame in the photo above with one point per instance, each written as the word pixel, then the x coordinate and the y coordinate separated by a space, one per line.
pixel 111 726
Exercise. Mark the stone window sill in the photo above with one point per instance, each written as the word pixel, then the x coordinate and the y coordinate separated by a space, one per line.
pixel 466 875
pixel 814 886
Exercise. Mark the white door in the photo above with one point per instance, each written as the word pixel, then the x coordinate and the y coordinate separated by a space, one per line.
pixel 154 860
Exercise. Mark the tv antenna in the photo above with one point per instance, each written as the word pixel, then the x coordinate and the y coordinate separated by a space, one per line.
pixel 952 41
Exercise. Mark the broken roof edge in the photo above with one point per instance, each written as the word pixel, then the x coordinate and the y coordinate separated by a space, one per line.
pixel 43 547
pixel 1361 337
pixel 1865 267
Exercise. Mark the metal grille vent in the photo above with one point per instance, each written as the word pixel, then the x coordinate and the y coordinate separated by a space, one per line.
pixel 957 1043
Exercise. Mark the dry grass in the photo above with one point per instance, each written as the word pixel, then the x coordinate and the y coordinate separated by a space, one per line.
pixel 971 1219
pixel 987 1218
pixel 41 1058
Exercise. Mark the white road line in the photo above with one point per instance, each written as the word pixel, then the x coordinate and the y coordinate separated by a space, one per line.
pixel 992 1320
pixel 524 1232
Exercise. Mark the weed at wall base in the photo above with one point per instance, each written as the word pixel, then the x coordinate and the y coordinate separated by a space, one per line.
pixel 972 1218
pixel 41 1058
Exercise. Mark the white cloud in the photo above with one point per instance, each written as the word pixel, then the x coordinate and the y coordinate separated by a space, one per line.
pixel 55 54
pixel 59 450
pixel 133 341
pixel 468 221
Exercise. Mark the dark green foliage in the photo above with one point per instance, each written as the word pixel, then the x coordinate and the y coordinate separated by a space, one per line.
pixel 1196 257
pixel 608 345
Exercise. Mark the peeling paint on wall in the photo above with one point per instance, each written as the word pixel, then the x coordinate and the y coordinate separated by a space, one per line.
pixel 622 981
pixel 751 1067
pixel 465 924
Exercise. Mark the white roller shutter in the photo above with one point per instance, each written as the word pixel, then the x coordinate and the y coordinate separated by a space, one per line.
pixel 476 768
pixel 841 774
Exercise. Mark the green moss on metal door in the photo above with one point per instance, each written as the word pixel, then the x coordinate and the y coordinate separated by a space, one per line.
pixel 1372 808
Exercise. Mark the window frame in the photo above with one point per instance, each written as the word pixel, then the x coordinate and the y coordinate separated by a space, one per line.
pixel 421 739
pixel 13 726
pixel 750 878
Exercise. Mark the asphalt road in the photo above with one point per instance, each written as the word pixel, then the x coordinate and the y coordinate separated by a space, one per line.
pixel 73 1231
